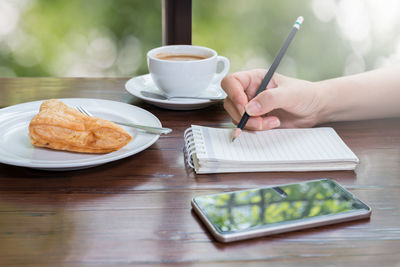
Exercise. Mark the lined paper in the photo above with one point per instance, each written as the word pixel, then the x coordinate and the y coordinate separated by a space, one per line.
pixel 277 145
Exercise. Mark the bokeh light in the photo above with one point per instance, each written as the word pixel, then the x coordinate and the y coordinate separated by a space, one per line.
pixel 102 38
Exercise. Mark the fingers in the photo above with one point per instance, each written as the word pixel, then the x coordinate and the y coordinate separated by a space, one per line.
pixel 261 123
pixel 267 101
pixel 234 85
pixel 254 123
pixel 270 122
pixel 232 110
pixel 242 86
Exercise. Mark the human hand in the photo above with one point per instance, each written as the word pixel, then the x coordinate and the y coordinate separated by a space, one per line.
pixel 287 102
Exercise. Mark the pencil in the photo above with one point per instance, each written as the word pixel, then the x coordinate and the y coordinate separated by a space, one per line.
pixel 269 75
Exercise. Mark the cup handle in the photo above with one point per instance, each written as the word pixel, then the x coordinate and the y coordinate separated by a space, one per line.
pixel 220 75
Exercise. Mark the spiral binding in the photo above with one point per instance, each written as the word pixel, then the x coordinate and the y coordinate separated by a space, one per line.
pixel 194 144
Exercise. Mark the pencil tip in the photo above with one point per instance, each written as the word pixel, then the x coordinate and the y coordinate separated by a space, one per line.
pixel 236 133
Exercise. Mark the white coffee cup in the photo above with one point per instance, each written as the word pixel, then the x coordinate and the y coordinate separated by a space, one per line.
pixel 185 70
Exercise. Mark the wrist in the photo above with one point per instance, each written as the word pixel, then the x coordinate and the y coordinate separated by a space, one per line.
pixel 326 95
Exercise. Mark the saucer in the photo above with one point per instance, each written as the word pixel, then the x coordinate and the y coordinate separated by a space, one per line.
pixel 145 83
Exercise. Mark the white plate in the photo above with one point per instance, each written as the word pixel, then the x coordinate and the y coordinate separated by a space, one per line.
pixel 16 148
pixel 145 83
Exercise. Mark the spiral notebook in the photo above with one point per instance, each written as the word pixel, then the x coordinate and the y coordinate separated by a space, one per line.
pixel 210 150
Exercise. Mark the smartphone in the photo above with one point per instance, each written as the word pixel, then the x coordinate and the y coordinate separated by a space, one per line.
pixel 244 214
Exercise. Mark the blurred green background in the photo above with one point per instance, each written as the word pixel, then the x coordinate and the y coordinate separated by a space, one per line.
pixel 109 38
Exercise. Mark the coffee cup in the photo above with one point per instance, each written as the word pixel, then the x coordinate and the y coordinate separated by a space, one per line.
pixel 186 70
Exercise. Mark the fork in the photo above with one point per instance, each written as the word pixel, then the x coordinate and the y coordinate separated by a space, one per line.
pixel 149 129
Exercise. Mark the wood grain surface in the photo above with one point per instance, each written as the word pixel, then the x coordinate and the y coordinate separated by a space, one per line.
pixel 136 211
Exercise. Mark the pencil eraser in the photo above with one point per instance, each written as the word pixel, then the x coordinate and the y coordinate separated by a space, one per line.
pixel 299 20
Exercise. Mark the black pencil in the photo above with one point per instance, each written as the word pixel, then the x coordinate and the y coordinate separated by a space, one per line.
pixel 269 74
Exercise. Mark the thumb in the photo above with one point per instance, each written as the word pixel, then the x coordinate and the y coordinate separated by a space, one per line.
pixel 267 101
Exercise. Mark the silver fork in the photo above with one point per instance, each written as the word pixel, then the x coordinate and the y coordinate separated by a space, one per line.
pixel 149 129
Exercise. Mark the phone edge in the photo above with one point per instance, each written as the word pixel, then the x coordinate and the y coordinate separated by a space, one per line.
pixel 262 232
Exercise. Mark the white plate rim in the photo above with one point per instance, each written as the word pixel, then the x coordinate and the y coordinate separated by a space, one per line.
pixel 150 138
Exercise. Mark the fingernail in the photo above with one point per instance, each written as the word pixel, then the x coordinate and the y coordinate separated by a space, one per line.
pixel 274 123
pixel 260 126
pixel 253 108
pixel 240 109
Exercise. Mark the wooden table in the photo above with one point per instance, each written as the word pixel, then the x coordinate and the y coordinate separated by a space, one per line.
pixel 137 210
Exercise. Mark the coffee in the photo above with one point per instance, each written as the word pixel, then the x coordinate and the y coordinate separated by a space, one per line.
pixel 180 57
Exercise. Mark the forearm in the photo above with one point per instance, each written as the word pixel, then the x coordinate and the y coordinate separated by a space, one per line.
pixel 369 95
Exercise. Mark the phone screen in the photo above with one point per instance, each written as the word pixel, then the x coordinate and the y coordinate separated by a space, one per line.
pixel 242 210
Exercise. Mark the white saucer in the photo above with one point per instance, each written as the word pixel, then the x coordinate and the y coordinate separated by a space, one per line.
pixel 145 83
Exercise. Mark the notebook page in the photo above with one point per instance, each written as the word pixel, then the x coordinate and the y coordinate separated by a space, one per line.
pixel 278 145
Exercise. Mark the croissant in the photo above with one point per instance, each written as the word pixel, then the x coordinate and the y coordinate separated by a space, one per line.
pixel 60 127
